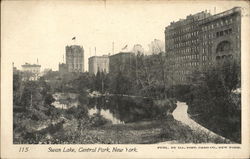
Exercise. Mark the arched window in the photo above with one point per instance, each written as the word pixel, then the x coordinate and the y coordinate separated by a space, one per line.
pixel 223 46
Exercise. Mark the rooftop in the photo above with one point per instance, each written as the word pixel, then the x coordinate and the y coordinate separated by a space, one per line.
pixel 203 16
pixel 30 65
pixel 103 56
pixel 123 53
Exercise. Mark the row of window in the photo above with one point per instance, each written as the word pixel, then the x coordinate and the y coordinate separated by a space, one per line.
pixel 177 31
pixel 183 72
pixel 186 50
pixel 182 78
pixel 187 64
pixel 189 57
pixel 205 50
pixel 183 44
pixel 218 34
pixel 217 24
pixel 206 43
pixel 208 36
pixel 183 36
pixel 185 29
pixel 224 32
pixel 75 66
pixel 186 57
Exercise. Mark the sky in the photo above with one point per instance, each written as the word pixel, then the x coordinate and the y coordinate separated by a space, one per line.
pixel 40 30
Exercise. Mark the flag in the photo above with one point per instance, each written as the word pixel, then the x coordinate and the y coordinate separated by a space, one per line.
pixel 74 38
pixel 124 47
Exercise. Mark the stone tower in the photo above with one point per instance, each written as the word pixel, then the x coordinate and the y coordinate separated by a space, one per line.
pixel 75 58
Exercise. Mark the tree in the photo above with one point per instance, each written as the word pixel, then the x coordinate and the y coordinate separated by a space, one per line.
pixel 49 99
pixel 98 81
pixel 16 88
pixel 31 95
pixel 231 74
pixel 214 101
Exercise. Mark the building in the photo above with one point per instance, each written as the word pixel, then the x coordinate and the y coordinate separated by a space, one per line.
pixel 14 68
pixel 100 63
pixel 120 62
pixel 156 46
pixel 31 71
pixel 75 58
pixel 63 68
pixel 201 40
pixel 220 37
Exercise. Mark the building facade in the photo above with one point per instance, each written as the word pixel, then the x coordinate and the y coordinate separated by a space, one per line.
pixel 120 62
pixel 201 40
pixel 100 63
pixel 220 37
pixel 75 58
pixel 63 68
pixel 31 71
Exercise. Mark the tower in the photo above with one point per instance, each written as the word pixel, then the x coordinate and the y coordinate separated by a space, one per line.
pixel 75 58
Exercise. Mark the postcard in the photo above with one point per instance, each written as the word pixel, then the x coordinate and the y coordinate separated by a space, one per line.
pixel 125 79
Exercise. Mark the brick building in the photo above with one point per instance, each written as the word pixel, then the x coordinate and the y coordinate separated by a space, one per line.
pixel 120 62
pixel 201 40
pixel 100 63
pixel 75 58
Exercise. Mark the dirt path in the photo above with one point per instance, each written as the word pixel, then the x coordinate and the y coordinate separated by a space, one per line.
pixel 180 114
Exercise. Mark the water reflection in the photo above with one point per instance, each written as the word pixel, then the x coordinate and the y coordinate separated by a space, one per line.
pixel 106 114
pixel 118 109
pixel 123 109
pixel 65 100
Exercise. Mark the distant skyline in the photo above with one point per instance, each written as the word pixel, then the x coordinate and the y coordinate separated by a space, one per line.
pixel 42 29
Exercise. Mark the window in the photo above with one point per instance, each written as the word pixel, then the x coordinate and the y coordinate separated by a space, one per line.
pixel 221 23
pixel 221 33
pixel 217 34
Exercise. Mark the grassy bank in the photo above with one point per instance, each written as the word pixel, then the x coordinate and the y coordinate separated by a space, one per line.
pixel 143 132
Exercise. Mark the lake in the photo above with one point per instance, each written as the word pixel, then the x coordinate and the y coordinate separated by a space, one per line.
pixel 117 109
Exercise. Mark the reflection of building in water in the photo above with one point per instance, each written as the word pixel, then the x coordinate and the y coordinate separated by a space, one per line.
pixel 100 63
pixel 106 114
pixel 201 40
pixel 31 71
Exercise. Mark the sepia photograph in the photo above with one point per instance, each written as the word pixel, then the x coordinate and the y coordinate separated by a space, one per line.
pixel 122 73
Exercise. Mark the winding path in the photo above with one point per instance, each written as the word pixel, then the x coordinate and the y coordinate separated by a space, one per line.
pixel 180 114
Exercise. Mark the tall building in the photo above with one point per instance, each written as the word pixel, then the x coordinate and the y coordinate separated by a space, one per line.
pixel 31 71
pixel 120 62
pixel 201 40
pixel 75 58
pixel 100 63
